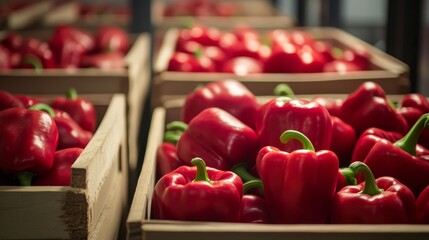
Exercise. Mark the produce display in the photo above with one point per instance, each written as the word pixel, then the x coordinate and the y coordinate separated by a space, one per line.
pixel 39 142
pixel 298 161
pixel 245 51
pixel 67 48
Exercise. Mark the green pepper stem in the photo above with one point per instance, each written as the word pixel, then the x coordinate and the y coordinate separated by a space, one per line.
pixel 198 53
pixel 25 178
pixel 174 131
pixel 33 61
pixel 284 90
pixel 349 175
pixel 409 141
pixel 337 52
pixel 72 93
pixel 257 183
pixel 371 188
pixel 293 134
pixel 241 170
pixel 43 107
pixel 201 170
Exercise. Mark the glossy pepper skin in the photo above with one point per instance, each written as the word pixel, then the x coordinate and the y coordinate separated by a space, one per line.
pixel 343 140
pixel 28 139
pixel 8 100
pixel 376 201
pixel 36 54
pixel 71 135
pixel 81 110
pixel 283 113
pixel 422 207
pixel 167 159
pixel 4 58
pixel 368 139
pixel 253 206
pixel 184 62
pixel 229 95
pixel 420 102
pixel 111 39
pixel 60 173
pixel 293 180
pixel 26 100
pixel 198 194
pixel 401 159
pixel 253 209
pixel 219 138
pixel 368 107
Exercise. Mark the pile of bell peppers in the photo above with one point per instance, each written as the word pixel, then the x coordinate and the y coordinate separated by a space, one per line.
pixel 40 141
pixel 67 48
pixel 200 8
pixel 355 160
pixel 244 51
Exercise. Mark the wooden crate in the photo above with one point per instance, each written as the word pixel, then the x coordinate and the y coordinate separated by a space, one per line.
pixel 27 15
pixel 386 70
pixel 140 226
pixel 133 81
pixel 92 207
pixel 69 13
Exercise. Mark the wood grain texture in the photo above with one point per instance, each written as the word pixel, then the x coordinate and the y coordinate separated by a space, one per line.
pixel 140 226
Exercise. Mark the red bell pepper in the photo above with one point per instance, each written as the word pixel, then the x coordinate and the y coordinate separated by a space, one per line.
pixel 69 45
pixel 206 36
pixel 8 100
pixel 183 62
pixel 28 139
pixel 368 107
pixel 234 47
pixel 36 54
pixel 381 201
pixel 26 100
pixel 198 194
pixel 81 110
pixel 343 140
pixel 60 173
pixel 111 39
pixel 287 57
pixel 167 159
pixel 368 139
pixel 12 41
pixel 71 135
pixel 358 55
pixel 104 60
pixel 215 54
pixel 417 101
pixel 293 180
pixel 219 138
pixel 4 58
pixel 65 32
pixel 401 160
pixel 242 66
pixel 332 105
pixel 253 207
pixel 283 113
pixel 229 95
pixel 422 207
